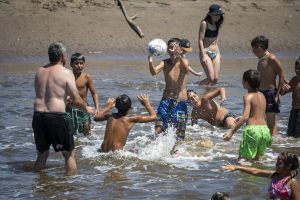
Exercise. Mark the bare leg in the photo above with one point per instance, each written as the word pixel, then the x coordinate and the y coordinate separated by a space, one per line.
pixel 216 67
pixel 158 130
pixel 256 157
pixel 209 71
pixel 272 123
pixel 41 159
pixel 70 161
pixel 87 128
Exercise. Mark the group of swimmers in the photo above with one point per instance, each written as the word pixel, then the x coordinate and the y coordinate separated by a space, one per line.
pixel 59 90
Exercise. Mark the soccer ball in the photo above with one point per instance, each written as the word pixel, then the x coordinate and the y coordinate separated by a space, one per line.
pixel 157 47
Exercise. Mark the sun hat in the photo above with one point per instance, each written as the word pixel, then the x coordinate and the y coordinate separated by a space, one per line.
pixel 185 44
pixel 215 9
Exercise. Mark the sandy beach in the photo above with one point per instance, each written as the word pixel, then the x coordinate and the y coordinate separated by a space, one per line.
pixel 99 26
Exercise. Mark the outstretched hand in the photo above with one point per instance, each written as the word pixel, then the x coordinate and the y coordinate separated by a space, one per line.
pixel 229 167
pixel 227 136
pixel 110 102
pixel 176 50
pixel 144 98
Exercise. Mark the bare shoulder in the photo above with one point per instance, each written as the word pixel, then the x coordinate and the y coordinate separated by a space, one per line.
pixel 203 23
pixel 273 59
pixel 87 75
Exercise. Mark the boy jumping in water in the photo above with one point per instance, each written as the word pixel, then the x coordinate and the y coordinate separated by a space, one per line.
pixel 78 120
pixel 119 124
pixel 172 108
pixel 256 135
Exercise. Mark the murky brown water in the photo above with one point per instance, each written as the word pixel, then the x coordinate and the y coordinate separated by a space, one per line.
pixel 150 172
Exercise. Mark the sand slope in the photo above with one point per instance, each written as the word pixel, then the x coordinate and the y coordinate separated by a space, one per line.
pixel 28 26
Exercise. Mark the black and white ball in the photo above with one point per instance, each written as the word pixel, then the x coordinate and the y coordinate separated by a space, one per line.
pixel 157 47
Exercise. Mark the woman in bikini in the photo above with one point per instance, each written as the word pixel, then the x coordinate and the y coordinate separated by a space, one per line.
pixel 283 184
pixel 209 53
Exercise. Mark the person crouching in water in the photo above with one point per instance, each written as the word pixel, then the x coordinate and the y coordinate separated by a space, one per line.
pixel 119 124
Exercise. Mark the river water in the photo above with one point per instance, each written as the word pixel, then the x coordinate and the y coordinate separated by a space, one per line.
pixel 144 169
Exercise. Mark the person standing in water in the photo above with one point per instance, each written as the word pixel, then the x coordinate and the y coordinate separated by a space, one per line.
pixel 53 83
pixel 269 68
pixel 80 121
pixel 209 52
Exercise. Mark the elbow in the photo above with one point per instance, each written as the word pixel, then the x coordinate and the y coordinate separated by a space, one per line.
pixel 154 117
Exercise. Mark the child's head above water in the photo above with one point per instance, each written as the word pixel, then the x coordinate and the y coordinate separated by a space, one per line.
pixel 260 41
pixel 76 57
pixel 220 196
pixel 252 77
pixel 123 104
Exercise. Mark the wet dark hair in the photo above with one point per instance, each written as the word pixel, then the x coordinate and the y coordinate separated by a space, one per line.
pixel 220 196
pixel 177 40
pixel 252 77
pixel 297 62
pixel 260 41
pixel 123 103
pixel 218 23
pixel 291 161
pixel 55 50
pixel 189 91
pixel 77 56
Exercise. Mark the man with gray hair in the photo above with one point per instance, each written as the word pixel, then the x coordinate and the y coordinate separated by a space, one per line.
pixel 53 83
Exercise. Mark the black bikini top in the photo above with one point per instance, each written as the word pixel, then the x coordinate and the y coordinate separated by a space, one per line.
pixel 209 33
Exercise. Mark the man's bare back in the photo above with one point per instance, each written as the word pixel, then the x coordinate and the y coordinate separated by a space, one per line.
pixel 52 85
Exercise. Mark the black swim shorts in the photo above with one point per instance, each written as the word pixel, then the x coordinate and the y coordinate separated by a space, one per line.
pixel 52 128
pixel 271 106
pixel 294 124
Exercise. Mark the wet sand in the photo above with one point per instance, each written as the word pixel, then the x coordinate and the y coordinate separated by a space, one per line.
pixel 99 27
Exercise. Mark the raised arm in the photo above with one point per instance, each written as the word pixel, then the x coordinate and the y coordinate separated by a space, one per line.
pixel 157 69
pixel 215 93
pixel 144 99
pixel 241 120
pixel 104 114
pixel 92 88
pixel 249 170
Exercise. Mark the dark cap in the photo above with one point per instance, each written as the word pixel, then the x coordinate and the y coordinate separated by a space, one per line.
pixel 185 44
pixel 215 9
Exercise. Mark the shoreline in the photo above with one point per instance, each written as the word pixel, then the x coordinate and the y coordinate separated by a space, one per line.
pixel 98 57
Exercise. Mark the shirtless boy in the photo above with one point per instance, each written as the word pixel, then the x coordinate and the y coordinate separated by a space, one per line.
pixel 204 107
pixel 269 68
pixel 256 135
pixel 294 120
pixel 172 109
pixel 53 83
pixel 79 120
pixel 119 124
